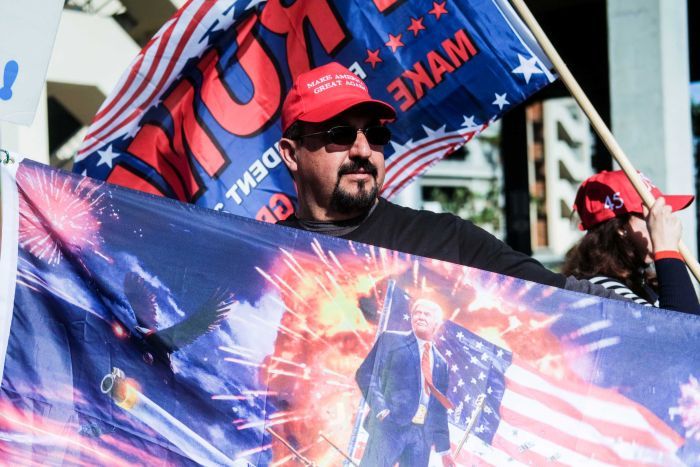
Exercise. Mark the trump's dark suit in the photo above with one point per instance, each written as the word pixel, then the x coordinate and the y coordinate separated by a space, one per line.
pixel 390 378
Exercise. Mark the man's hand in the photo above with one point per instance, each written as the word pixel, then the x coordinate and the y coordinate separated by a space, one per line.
pixel 447 460
pixel 383 414
pixel 664 228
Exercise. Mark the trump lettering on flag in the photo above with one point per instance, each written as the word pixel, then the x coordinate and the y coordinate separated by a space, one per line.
pixel 197 115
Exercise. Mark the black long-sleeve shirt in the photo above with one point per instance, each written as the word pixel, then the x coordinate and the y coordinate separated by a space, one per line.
pixel 450 238
pixel 445 237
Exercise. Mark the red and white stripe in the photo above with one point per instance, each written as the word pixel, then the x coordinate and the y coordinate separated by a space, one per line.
pixel 546 421
pixel 156 67
pixel 414 159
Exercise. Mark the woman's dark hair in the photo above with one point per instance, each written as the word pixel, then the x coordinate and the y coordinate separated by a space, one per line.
pixel 604 252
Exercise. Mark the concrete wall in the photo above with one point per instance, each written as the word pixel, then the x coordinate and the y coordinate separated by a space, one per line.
pixel 650 97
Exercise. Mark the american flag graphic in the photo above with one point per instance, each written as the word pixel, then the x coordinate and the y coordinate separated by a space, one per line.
pixel 155 68
pixel 532 419
pixel 196 115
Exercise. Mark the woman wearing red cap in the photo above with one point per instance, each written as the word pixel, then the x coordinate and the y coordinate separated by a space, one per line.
pixel 624 239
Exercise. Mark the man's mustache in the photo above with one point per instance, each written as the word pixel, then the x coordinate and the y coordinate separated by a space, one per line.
pixel 355 166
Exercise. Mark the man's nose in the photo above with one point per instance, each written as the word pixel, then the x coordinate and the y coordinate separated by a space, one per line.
pixel 361 147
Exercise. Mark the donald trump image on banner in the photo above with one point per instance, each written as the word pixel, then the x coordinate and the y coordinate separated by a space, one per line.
pixel 404 380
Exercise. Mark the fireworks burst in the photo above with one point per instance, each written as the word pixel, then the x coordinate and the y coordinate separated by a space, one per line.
pixel 58 214
pixel 689 408
pixel 331 303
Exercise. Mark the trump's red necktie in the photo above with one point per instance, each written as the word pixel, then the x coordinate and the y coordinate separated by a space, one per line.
pixel 428 378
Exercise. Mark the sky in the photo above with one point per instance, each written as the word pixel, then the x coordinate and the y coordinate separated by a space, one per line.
pixel 695 92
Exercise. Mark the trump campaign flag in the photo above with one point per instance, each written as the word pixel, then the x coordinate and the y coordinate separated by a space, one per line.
pixel 197 115
pixel 135 329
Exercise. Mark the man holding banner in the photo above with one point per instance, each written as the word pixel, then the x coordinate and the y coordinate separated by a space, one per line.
pixel 332 144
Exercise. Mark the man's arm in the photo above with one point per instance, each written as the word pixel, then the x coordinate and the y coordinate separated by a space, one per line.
pixel 482 250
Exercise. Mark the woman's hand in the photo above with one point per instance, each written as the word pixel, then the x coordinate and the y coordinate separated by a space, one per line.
pixel 665 229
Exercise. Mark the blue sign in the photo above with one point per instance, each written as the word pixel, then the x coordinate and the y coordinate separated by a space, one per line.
pixel 9 76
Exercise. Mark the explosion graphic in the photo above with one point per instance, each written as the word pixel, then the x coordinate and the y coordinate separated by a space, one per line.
pixel 59 214
pixel 332 305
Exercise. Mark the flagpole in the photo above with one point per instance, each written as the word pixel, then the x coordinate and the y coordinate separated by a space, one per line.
pixel 340 451
pixel 306 462
pixel 596 121
pixel 474 417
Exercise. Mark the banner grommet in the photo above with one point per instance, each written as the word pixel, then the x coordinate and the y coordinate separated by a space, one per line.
pixel 5 157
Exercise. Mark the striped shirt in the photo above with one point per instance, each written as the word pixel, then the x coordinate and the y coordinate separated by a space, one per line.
pixel 621 289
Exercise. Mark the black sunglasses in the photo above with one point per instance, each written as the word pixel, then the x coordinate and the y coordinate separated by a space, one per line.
pixel 345 135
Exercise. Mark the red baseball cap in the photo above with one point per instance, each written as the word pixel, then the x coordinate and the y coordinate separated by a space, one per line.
pixel 326 91
pixel 611 194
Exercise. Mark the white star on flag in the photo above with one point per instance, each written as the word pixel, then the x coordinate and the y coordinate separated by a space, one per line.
pixel 484 357
pixel 527 67
pixel 401 148
pixel 231 9
pixel 448 353
pixel 405 317
pixel 254 3
pixel 469 122
pixel 460 383
pixel 440 132
pixel 482 376
pixel 107 156
pixel 474 359
pixel 460 335
pixel 501 100
pixel 478 345
pixel 132 131
pixel 499 353
pixel 454 368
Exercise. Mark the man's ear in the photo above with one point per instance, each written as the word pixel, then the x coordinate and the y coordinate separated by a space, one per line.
pixel 288 151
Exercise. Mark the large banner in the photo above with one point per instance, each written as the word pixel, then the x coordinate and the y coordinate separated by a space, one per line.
pixel 197 116
pixel 139 330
